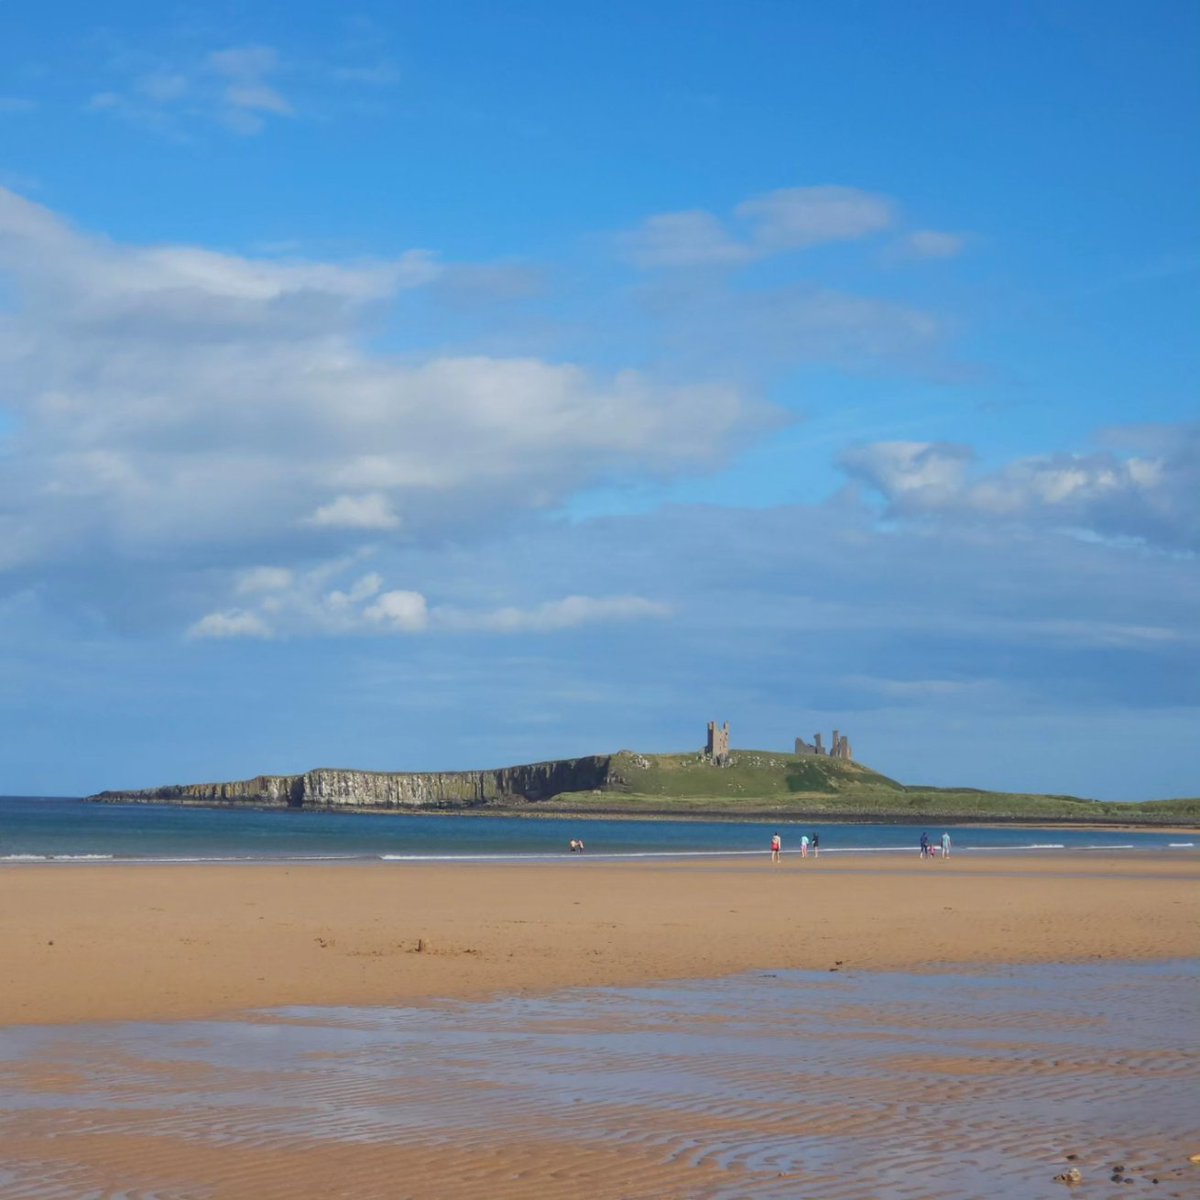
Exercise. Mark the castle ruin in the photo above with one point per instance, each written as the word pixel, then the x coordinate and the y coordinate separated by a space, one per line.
pixel 717 747
pixel 839 749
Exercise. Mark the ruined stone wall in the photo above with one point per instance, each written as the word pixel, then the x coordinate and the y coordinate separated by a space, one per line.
pixel 839 749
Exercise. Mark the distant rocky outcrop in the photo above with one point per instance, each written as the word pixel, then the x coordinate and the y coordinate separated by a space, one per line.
pixel 332 788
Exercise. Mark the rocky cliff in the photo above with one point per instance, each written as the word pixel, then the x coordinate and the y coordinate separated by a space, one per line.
pixel 329 788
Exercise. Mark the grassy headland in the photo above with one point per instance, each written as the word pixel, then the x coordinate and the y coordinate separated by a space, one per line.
pixel 758 783
pixel 766 782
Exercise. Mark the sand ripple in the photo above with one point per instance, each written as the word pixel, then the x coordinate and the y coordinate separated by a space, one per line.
pixel 868 1087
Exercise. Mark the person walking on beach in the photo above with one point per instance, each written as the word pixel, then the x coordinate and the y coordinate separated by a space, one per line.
pixel 945 845
pixel 924 845
pixel 776 846
pixel 816 845
pixel 804 845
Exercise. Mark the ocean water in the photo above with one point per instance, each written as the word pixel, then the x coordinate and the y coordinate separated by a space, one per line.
pixel 70 830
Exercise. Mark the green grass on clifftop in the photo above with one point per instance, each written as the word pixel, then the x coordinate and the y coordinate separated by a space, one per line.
pixel 758 773
pixel 766 782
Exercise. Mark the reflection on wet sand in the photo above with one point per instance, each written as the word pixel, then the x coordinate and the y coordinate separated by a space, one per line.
pixel 847 1086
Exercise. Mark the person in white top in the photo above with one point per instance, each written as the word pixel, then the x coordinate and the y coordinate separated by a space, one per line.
pixel 804 845
pixel 945 845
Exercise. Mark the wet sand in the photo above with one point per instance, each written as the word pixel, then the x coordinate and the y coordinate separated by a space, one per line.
pixel 977 1085
pixel 117 942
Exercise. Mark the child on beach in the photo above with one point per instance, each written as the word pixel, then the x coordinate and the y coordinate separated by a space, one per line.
pixel 816 845
pixel 804 845
pixel 776 846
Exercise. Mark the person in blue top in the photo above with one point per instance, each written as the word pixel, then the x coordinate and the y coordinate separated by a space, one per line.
pixel 924 845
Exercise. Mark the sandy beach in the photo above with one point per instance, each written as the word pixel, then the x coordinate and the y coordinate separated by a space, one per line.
pixel 980 1084
pixel 110 942
pixel 901 1085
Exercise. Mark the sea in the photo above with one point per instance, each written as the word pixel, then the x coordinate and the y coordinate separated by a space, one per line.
pixel 65 830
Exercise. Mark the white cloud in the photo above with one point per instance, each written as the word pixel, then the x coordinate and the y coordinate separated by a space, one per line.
pixel 235 624
pixel 683 239
pixel 1150 496
pixel 369 511
pixel 773 223
pixel 276 602
pixel 794 218
pixel 400 611
pixel 205 406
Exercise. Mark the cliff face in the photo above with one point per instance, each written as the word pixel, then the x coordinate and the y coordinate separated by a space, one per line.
pixel 328 788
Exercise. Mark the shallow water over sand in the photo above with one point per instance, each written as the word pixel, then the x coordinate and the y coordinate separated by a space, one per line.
pixel 844 1086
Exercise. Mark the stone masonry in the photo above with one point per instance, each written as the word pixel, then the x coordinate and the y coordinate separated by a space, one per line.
pixel 717 747
pixel 839 749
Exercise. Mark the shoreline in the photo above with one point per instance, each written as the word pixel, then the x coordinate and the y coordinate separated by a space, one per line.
pixel 164 941
pixel 717 816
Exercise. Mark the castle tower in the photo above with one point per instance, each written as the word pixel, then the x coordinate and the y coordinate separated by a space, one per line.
pixel 717 746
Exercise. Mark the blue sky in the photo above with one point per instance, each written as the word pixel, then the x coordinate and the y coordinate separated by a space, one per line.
pixel 464 385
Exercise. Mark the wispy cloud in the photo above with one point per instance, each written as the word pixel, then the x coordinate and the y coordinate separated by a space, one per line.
pixel 776 222
pixel 927 244
pixel 282 603
pixel 780 222
pixel 246 88
pixel 683 239
pixel 241 88
pixel 796 218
